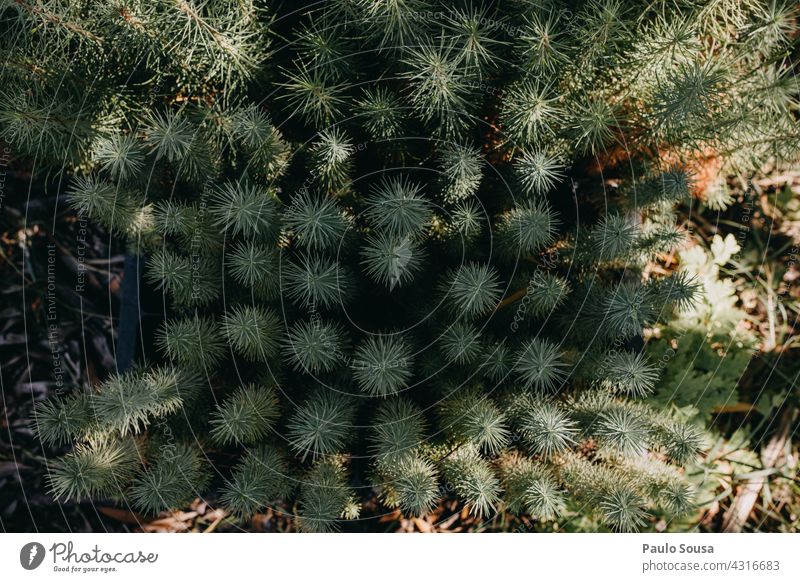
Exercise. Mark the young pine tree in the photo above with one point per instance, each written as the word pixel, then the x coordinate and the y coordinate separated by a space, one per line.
pixel 417 239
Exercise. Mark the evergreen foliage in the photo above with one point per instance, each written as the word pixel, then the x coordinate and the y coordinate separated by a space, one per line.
pixel 389 238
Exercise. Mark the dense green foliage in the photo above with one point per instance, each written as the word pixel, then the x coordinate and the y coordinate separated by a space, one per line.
pixel 381 232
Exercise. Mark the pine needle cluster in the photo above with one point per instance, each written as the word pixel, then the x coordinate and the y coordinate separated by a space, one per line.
pixel 388 238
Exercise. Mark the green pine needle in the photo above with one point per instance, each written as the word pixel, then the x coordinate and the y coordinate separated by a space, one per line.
pixel 195 341
pixel 528 228
pixel 631 373
pixel 546 429
pixel 382 365
pixel 252 332
pixel 315 346
pixel 316 221
pixel 473 289
pixel 530 113
pixel 316 281
pixel 259 477
pixel 473 480
pixel 461 169
pixel 538 172
pixel 245 209
pixel 460 343
pixel 322 425
pixel 397 429
pixel 246 416
pixel 540 366
pixel 391 261
pixel 397 207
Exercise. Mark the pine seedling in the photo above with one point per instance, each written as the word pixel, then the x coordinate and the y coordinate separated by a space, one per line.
pixel 439 89
pixel 660 241
pixel 680 441
pixel 614 238
pixel 174 480
pixel 253 332
pixel 267 152
pixel 169 135
pixel 604 23
pixel 607 490
pixel 668 187
pixel 195 341
pixel 383 113
pixel 397 429
pixel 325 497
pixel 540 366
pixel 410 484
pixel 680 290
pixel 259 477
pixel 684 102
pixel 315 346
pixel 630 373
pixel 253 265
pixel 189 282
pixel 316 221
pixel 321 425
pixel 677 497
pixel 121 155
pixel 202 236
pixel 95 198
pixel 473 480
pixel 397 207
pixel 530 488
pixel 314 280
pixel 626 309
pixel 391 22
pixel 543 40
pixel 126 403
pixel 382 365
pixel 246 416
pixel 391 261
pixel 538 172
pixel 497 362
pixel 324 48
pixel 59 420
pixel 332 159
pixel 545 428
pixel 469 26
pixel 530 113
pixel 461 168
pixel 594 122
pixel 313 96
pixel 466 220
pixel 622 509
pixel 473 289
pixel 545 293
pixel 622 430
pixel 174 218
pixel 95 470
pixel 472 417
pixel 39 123
pixel 245 209
pixel 527 228
pixel 201 163
pixel 460 343
pixel 663 483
